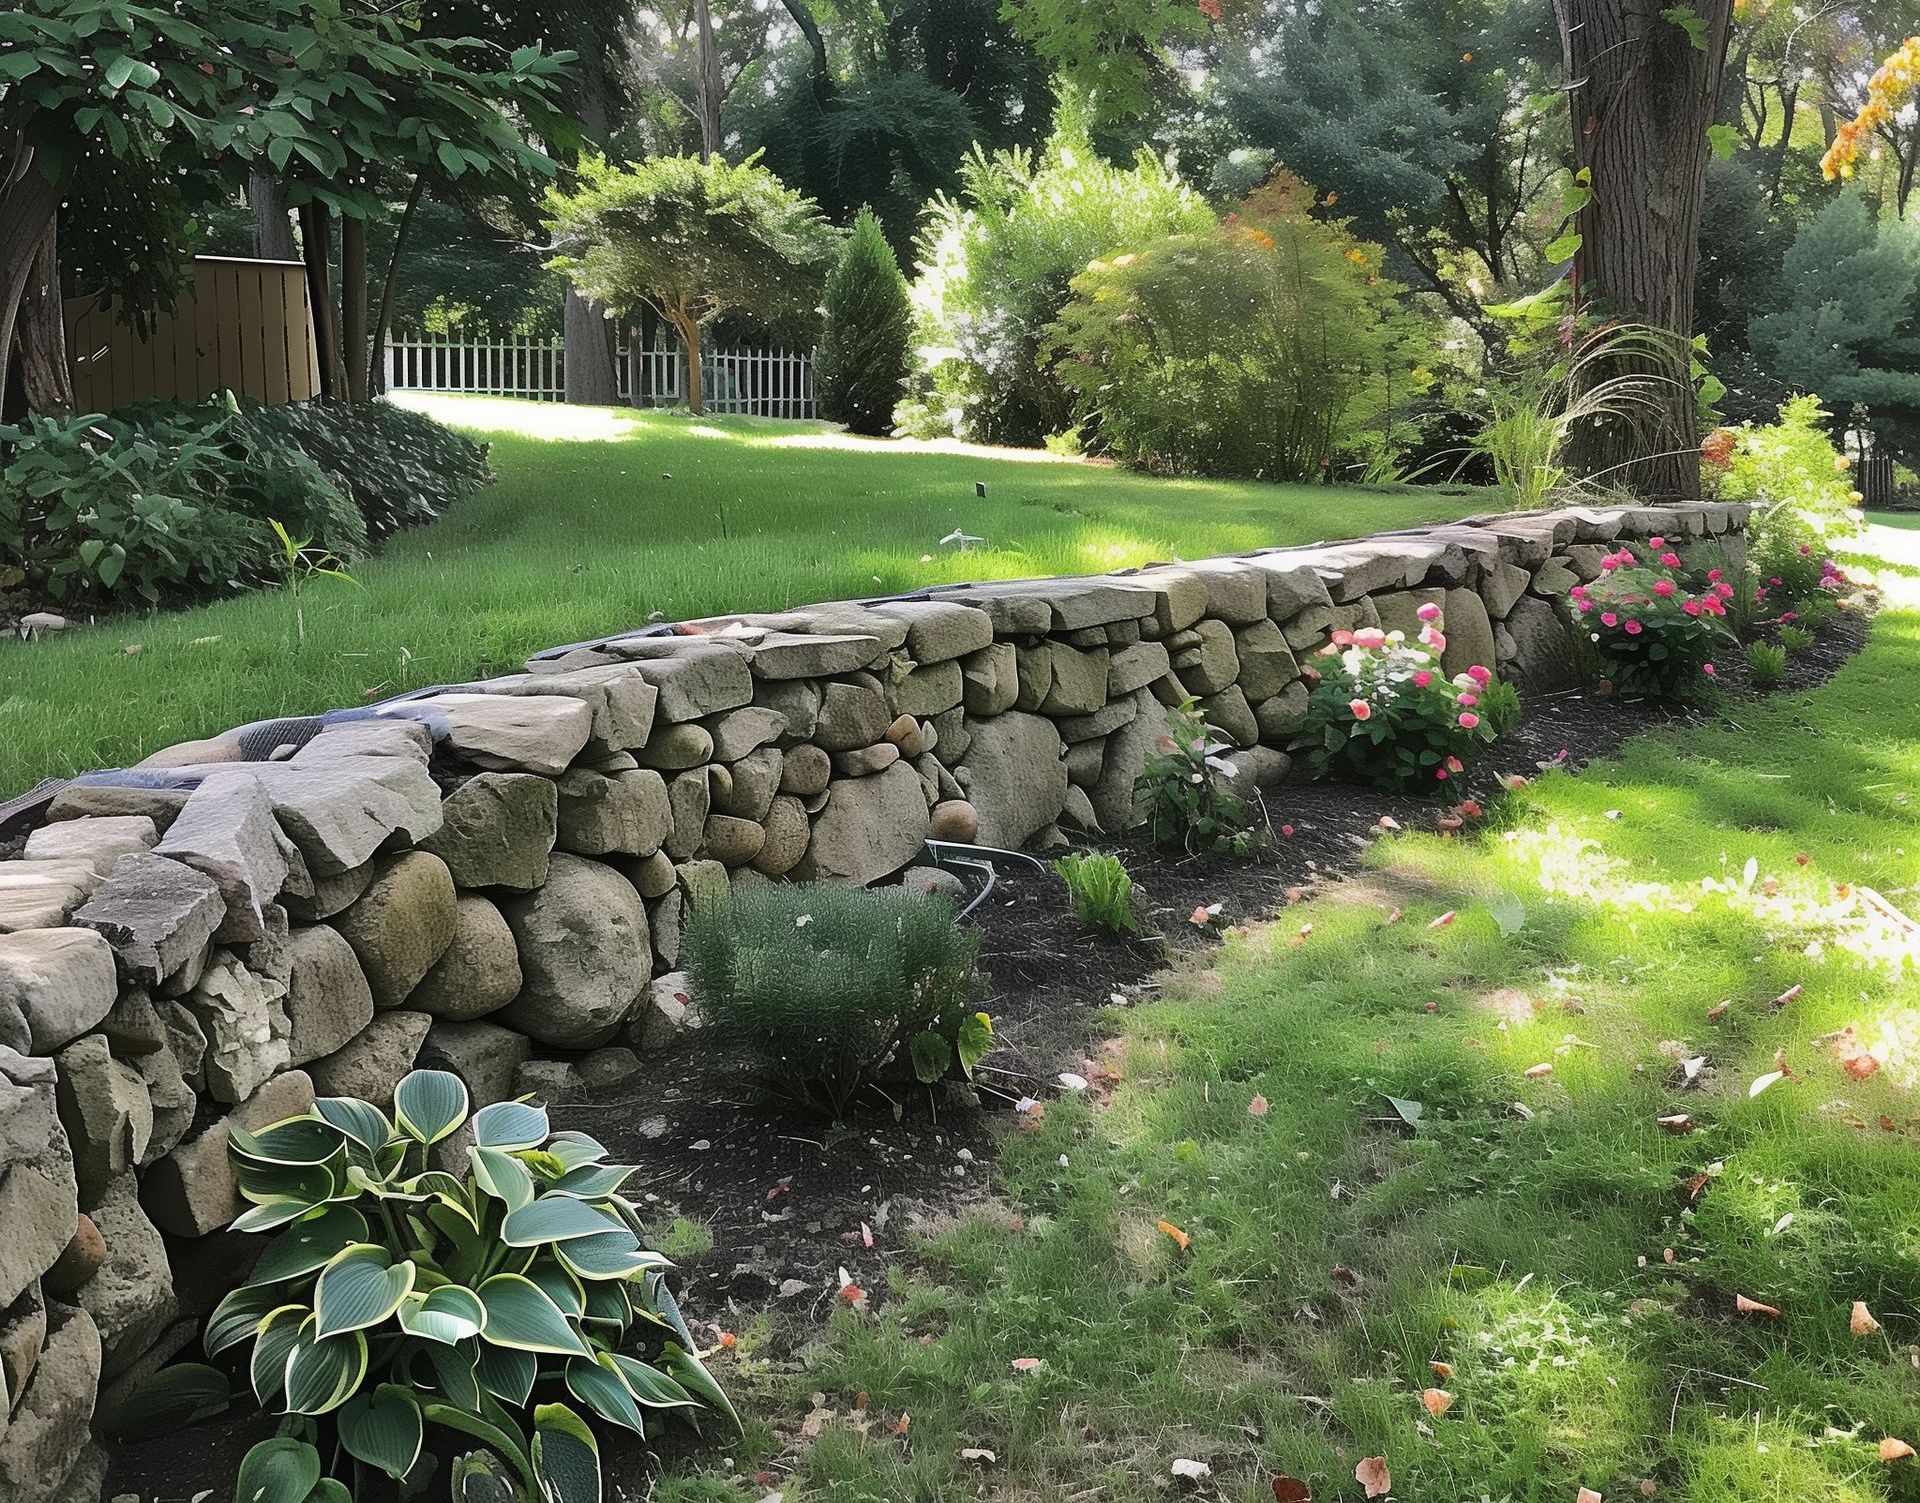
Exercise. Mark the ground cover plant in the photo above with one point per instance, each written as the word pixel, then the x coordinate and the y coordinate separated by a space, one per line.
pixel 821 992
pixel 1578 1155
pixel 1385 712
pixel 600 519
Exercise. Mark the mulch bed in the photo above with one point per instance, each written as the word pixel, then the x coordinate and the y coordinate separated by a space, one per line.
pixel 790 1200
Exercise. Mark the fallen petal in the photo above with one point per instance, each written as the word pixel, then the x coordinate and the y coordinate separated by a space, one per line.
pixel 1185 1467
pixel 1439 923
pixel 1753 1307
pixel 1894 1450
pixel 1437 1400
pixel 1257 1107
pixel 1373 1476
pixel 1862 1322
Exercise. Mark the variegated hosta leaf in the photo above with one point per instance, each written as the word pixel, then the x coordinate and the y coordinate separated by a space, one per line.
pixel 611 1255
pixel 554 1218
pixel 361 1287
pixel 575 1149
pixel 510 1125
pixel 361 1121
pixel 559 1286
pixel 505 1373
pixel 566 1458
pixel 383 1428
pixel 449 1314
pixel 650 1386
pixel 309 1245
pixel 599 1386
pixel 593 1181
pixel 312 1184
pixel 267 1364
pixel 323 1372
pixel 297 1140
pixel 502 1176
pixel 521 1315
pixel 429 1105
pixel 687 1370
pixel 237 1317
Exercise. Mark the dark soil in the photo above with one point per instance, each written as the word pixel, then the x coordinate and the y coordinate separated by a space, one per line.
pixel 763 1205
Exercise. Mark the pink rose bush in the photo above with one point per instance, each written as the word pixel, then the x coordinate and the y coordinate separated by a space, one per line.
pixel 1383 710
pixel 1651 630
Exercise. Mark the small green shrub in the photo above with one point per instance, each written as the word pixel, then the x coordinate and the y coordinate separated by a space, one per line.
pixel 1383 710
pixel 1650 630
pixel 1101 890
pixel 995 265
pixel 160 503
pixel 1794 637
pixel 868 327
pixel 397 1296
pixel 1767 662
pixel 94 509
pixel 1262 346
pixel 825 990
pixel 1182 796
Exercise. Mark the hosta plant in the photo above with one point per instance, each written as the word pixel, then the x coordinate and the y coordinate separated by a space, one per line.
pixel 395 1296
pixel 1385 712
pixel 1651 631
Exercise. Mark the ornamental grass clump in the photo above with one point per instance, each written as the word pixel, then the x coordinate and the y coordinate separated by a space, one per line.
pixel 1384 711
pixel 1651 632
pixel 825 991
pixel 1101 890
pixel 395 1296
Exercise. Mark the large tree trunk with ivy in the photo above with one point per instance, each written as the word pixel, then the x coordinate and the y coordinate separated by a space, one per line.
pixel 1643 79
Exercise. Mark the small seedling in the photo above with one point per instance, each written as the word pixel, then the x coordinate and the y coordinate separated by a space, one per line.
pixel 1767 662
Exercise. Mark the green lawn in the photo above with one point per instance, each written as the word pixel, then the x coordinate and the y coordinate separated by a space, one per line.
pixel 1574 1267
pixel 601 518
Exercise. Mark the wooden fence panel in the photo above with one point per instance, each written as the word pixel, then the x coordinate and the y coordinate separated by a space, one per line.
pixel 243 326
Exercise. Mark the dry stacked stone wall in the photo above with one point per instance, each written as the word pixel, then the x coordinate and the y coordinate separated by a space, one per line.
pixel 493 879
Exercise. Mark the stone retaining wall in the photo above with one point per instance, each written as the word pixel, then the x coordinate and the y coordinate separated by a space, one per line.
pixel 493 879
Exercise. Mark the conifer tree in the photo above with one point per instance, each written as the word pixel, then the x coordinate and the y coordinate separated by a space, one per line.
pixel 869 321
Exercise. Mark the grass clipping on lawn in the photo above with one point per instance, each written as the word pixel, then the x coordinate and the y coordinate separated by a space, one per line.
pixel 1653 1232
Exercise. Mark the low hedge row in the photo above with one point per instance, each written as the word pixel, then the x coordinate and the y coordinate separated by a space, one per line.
pixel 161 503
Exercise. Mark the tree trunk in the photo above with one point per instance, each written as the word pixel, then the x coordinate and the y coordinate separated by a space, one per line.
pixel 383 321
pixel 29 221
pixel 589 373
pixel 710 89
pixel 592 376
pixel 1642 96
pixel 272 230
pixel 353 305
pixel 316 231
pixel 44 378
pixel 688 330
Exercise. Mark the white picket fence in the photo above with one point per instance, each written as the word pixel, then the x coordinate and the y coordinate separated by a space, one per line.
pixel 761 383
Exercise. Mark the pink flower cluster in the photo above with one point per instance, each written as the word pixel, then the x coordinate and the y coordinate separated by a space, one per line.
pixel 1635 595
pixel 1378 663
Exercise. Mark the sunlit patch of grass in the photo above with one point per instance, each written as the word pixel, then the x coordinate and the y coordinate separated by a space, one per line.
pixel 1570 1261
